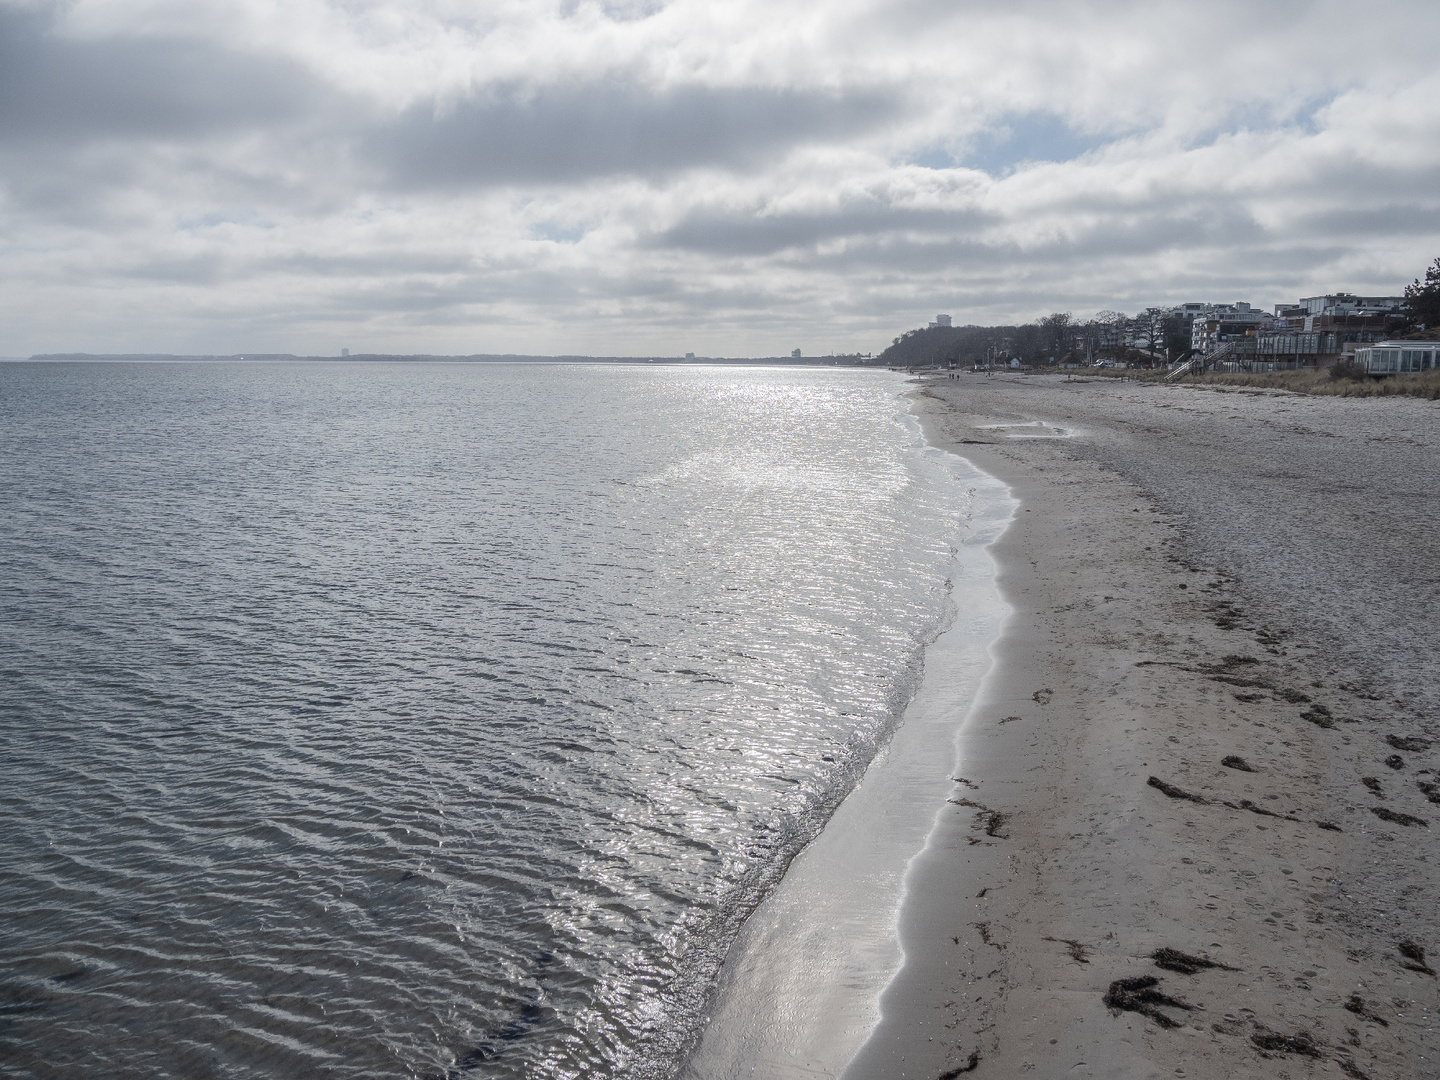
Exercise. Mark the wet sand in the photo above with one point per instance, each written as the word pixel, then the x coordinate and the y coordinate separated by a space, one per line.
pixel 799 991
pixel 1195 830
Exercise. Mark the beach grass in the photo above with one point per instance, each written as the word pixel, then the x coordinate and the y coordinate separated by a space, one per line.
pixel 1424 384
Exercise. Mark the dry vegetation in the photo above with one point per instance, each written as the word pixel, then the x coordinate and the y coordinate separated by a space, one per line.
pixel 1309 381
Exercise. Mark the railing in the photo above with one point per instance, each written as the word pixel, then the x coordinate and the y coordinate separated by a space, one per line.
pixel 1246 354
pixel 1183 369
pixel 1197 364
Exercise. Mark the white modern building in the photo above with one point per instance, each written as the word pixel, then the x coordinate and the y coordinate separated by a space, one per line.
pixel 940 320
pixel 1342 304
pixel 1225 321
pixel 1394 357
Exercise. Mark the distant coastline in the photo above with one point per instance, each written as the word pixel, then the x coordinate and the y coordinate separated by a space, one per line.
pixel 848 360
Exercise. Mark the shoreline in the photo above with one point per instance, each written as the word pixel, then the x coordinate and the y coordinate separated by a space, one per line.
pixel 799 991
pixel 1142 646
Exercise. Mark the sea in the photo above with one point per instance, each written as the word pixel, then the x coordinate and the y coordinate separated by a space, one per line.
pixel 366 720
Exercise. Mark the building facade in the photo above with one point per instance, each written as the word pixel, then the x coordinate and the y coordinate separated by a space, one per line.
pixel 1397 357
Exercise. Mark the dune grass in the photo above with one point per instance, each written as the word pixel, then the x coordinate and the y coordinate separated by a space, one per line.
pixel 1425 384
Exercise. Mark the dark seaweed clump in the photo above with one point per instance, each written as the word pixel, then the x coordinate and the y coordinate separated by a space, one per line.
pixel 1414 746
pixel 1173 791
pixel 1184 963
pixel 1139 995
pixel 1236 762
pixel 1356 1005
pixel 1411 951
pixel 1275 1043
pixel 1246 804
pixel 1384 813
pixel 971 1064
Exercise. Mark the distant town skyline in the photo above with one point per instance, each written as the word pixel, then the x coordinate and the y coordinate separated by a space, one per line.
pixel 648 178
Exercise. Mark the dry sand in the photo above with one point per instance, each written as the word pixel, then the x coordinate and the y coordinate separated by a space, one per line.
pixel 1196 575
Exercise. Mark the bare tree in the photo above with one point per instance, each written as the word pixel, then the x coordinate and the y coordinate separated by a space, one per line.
pixel 1150 327
pixel 1058 331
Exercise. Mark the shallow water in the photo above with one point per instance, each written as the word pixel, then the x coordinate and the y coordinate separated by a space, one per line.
pixel 385 720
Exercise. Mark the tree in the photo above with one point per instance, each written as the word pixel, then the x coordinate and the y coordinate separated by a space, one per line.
pixel 1422 302
pixel 1150 327
pixel 1058 329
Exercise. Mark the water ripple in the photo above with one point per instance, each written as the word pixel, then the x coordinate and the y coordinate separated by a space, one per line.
pixel 427 720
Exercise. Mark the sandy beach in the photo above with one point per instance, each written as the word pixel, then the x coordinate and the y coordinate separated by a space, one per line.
pixel 1194 829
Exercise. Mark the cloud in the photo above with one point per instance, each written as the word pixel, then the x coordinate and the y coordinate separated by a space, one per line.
pixel 62 91
pixel 649 177
pixel 755 234
pixel 560 135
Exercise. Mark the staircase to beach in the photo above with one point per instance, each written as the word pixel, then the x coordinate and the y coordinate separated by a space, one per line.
pixel 1197 364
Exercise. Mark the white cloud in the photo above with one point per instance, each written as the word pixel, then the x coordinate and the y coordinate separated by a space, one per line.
pixel 637 177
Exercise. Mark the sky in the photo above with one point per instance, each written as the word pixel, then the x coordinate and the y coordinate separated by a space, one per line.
pixel 738 178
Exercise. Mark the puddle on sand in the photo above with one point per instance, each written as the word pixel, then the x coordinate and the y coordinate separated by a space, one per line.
pixel 1035 429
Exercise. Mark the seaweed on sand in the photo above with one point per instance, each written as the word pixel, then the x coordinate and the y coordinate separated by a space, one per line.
pixel 1414 746
pixel 1384 813
pixel 1139 995
pixel 1078 950
pixel 1356 1005
pixel 994 820
pixel 1272 1042
pixel 1173 791
pixel 971 1064
pixel 1246 804
pixel 1411 951
pixel 1184 963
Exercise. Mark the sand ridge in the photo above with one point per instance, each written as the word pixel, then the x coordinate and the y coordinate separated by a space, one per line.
pixel 1193 832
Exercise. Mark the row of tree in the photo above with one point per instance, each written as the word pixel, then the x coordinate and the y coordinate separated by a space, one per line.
pixel 1152 337
pixel 1422 301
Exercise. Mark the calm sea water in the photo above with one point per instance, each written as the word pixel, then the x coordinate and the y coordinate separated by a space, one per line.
pixel 430 720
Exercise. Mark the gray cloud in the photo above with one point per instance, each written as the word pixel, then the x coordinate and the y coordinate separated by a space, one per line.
pixel 564 134
pixel 928 239
pixel 737 235
pixel 1371 221
pixel 59 91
